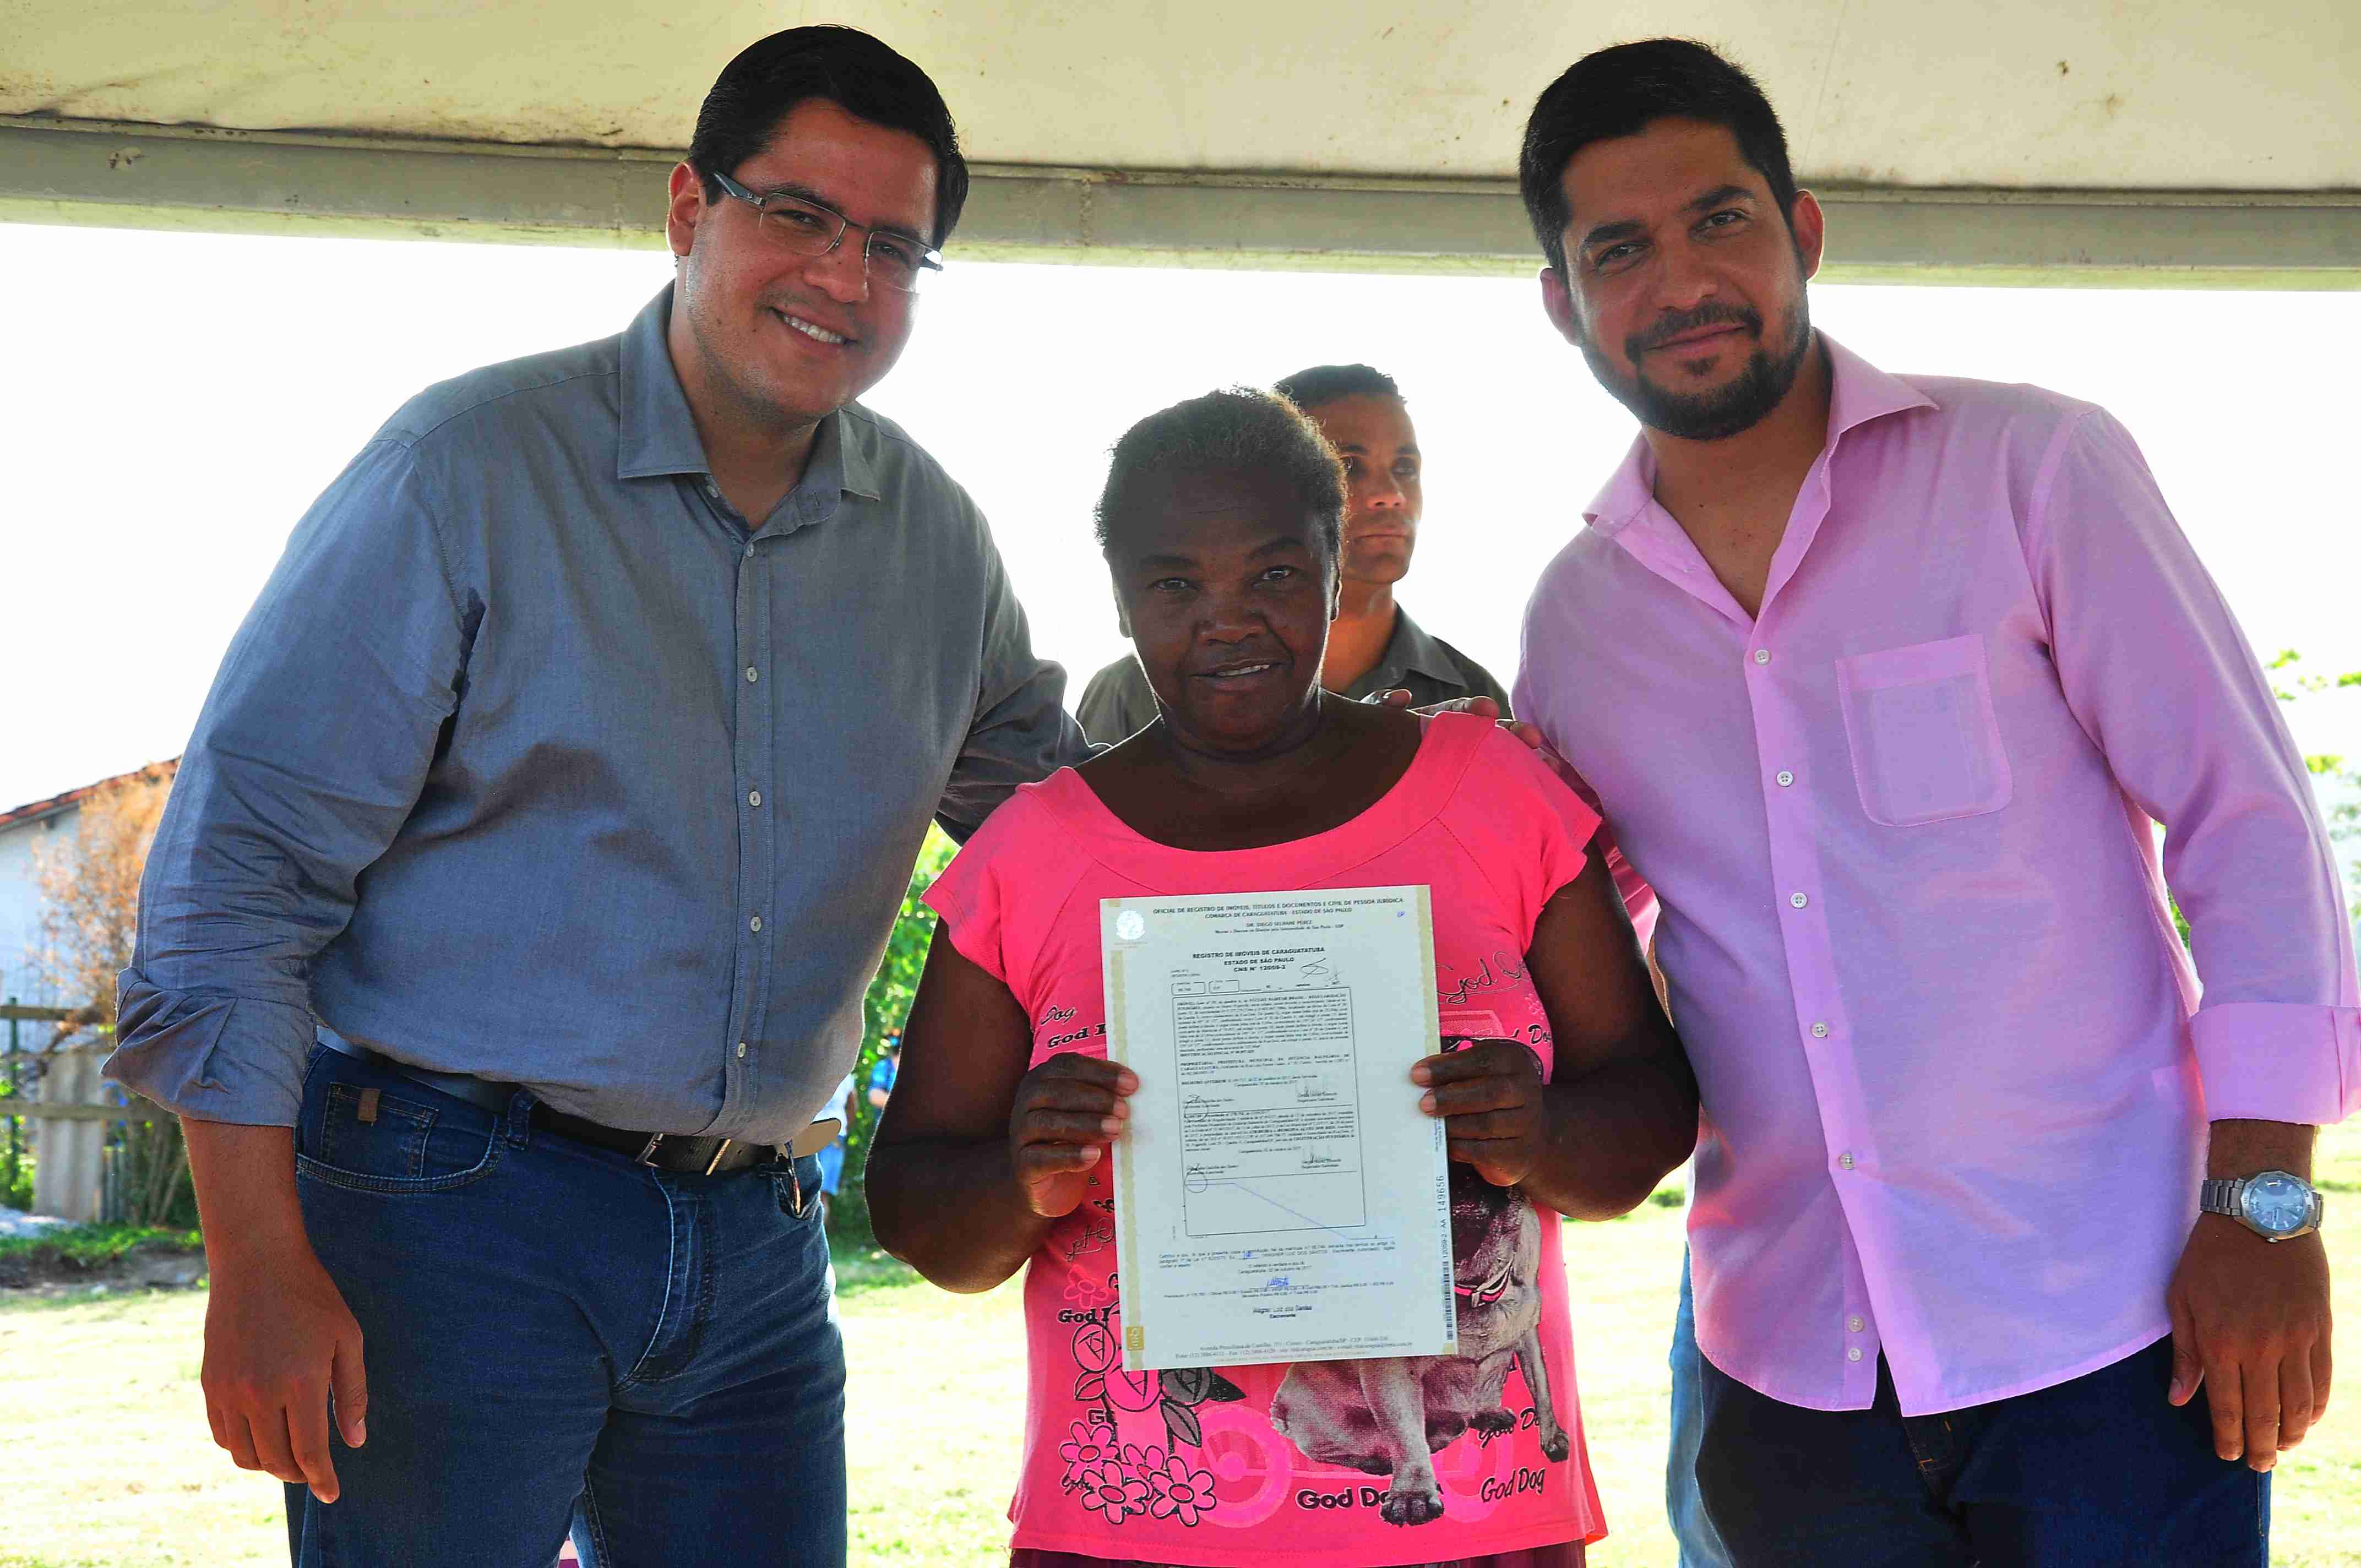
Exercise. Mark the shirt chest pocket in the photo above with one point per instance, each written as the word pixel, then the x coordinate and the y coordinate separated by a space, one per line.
pixel 1925 741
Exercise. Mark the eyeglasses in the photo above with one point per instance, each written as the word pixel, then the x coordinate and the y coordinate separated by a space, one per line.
pixel 804 228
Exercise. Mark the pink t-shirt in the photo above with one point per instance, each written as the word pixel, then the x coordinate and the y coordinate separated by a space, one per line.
pixel 1212 1466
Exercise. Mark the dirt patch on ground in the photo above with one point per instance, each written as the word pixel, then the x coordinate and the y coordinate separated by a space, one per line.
pixel 44 1274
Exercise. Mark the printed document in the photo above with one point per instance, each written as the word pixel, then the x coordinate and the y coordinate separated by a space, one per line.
pixel 1279 1193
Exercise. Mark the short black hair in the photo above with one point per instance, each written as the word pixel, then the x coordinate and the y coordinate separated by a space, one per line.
pixel 1320 385
pixel 1235 430
pixel 1619 92
pixel 851 70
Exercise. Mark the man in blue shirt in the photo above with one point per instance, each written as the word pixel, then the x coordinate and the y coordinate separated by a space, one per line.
pixel 887 1069
pixel 510 921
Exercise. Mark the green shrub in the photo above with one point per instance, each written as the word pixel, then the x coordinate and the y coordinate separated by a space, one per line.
pixel 16 1190
pixel 87 1246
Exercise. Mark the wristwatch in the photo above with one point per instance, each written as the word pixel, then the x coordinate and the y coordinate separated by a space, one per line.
pixel 2277 1205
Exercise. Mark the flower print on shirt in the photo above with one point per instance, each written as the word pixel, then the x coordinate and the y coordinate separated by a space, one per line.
pixel 1125 1481
pixel 1085 1448
pixel 1115 1490
pixel 1085 1290
pixel 1178 1489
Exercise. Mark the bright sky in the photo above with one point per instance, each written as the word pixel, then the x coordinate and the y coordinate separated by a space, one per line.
pixel 175 401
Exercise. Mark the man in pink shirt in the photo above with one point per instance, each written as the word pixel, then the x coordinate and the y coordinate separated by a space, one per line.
pixel 1882 683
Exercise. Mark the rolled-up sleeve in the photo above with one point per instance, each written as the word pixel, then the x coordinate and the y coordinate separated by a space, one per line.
pixel 2161 678
pixel 309 755
pixel 1022 732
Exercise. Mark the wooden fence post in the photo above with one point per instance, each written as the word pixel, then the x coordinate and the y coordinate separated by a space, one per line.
pixel 67 1179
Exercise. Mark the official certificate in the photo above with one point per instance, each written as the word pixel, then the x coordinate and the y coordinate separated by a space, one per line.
pixel 1281 1196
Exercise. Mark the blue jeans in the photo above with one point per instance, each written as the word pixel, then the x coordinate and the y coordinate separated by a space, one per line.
pixel 1700 1543
pixel 557 1338
pixel 2095 1472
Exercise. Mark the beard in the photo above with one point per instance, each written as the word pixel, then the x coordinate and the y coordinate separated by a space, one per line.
pixel 1716 415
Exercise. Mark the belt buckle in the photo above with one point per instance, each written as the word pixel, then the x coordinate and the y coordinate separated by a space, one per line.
pixel 648 1155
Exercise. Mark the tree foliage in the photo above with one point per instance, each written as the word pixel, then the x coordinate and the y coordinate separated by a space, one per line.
pixel 89 887
pixel 2341 803
pixel 886 1006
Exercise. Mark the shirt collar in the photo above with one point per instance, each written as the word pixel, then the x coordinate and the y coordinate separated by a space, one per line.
pixel 1411 648
pixel 1858 393
pixel 840 462
pixel 659 435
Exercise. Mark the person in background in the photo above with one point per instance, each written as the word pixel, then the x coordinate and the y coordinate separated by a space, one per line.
pixel 832 1159
pixel 512 915
pixel 2003 1246
pixel 1373 645
pixel 882 1072
pixel 1562 1088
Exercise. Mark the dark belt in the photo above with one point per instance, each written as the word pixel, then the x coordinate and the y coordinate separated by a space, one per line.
pixel 680 1152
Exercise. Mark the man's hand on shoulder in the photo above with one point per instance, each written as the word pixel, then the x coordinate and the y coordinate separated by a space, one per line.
pixel 1482 707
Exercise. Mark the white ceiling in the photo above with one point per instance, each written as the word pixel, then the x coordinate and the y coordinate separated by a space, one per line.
pixel 2189 143
pixel 2006 95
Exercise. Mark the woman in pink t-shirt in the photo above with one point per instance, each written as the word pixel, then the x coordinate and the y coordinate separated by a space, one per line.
pixel 1561 1083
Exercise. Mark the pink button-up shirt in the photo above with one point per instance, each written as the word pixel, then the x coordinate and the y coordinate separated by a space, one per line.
pixel 1954 1066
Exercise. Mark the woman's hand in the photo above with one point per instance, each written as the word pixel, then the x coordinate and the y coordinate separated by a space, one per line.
pixel 1489 1097
pixel 1067 1110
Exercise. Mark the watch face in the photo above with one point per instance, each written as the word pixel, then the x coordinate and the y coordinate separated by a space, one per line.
pixel 2278 1203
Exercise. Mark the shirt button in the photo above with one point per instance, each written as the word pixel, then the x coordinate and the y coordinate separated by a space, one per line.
pixel 1786 778
pixel 1797 899
pixel 741 1056
pixel 756 925
pixel 1853 1323
pixel 1843 1159
pixel 1762 655
pixel 1852 1352
pixel 1819 1031
pixel 753 673
pixel 753 797
pixel 750 553
pixel 712 489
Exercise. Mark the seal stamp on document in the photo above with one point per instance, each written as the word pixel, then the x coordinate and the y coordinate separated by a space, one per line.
pixel 1130 926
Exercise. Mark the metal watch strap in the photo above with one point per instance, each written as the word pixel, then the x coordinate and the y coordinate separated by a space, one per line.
pixel 2220 1196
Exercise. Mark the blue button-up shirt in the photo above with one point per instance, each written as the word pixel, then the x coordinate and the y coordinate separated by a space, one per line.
pixel 534 760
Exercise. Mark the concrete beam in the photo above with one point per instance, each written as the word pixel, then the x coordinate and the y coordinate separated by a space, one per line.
pixel 152 177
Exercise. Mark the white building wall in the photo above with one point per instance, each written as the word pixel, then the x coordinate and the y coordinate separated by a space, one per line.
pixel 20 902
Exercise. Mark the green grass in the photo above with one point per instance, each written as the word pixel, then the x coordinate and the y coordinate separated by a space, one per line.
pixel 102 1433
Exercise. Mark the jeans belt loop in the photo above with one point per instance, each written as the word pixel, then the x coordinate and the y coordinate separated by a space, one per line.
pixel 519 1117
